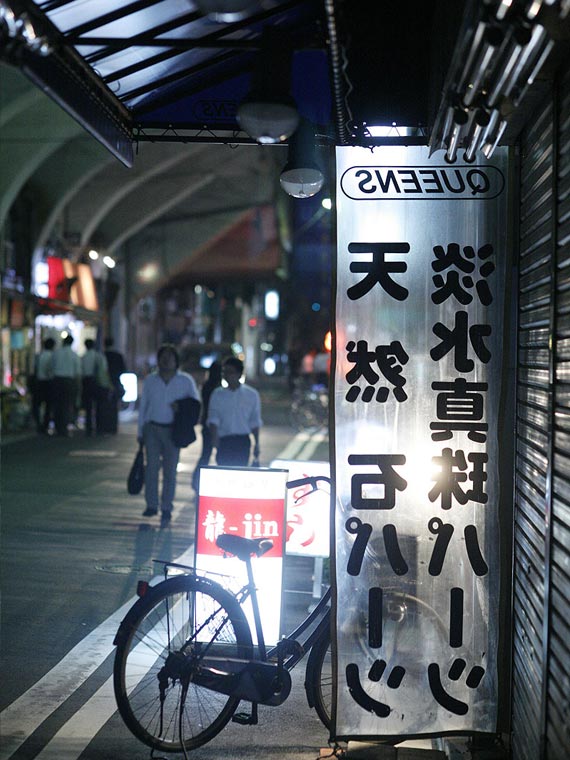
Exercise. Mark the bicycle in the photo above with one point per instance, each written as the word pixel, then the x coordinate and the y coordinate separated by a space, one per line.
pixel 185 656
pixel 310 406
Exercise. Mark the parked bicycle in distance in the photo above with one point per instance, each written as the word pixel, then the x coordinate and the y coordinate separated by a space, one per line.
pixel 310 405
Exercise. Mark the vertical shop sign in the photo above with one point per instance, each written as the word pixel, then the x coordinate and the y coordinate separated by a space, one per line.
pixel 419 313
pixel 248 502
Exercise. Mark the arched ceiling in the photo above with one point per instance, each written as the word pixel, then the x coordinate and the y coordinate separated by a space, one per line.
pixel 83 198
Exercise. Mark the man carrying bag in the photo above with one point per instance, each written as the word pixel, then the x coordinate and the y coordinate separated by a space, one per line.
pixel 162 391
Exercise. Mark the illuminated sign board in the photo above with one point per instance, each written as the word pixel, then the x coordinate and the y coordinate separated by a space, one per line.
pixel 247 502
pixel 417 385
pixel 308 514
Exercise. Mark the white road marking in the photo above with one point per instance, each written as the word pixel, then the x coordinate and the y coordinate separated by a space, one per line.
pixel 311 445
pixel 302 442
pixel 75 735
pixel 21 718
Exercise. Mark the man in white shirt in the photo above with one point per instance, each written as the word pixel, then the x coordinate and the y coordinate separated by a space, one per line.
pixel 161 390
pixel 234 415
pixel 66 379
pixel 93 366
pixel 43 396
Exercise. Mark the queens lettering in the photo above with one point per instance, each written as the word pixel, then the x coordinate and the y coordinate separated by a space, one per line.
pixel 421 182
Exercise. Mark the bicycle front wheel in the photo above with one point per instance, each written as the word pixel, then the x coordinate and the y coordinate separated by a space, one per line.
pixel 160 641
pixel 319 684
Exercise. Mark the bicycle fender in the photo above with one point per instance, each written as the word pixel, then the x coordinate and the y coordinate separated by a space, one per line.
pixel 199 582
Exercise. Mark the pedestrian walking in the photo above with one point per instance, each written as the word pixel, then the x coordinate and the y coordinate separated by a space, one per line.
pixel 66 384
pixel 43 388
pixel 93 370
pixel 234 416
pixel 213 381
pixel 161 390
pixel 116 366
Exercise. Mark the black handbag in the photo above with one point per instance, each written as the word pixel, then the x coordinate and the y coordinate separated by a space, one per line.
pixel 135 481
pixel 186 416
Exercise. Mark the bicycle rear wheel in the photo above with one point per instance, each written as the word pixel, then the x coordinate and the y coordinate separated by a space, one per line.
pixel 180 619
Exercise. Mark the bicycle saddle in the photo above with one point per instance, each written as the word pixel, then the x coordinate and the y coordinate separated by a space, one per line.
pixel 243 548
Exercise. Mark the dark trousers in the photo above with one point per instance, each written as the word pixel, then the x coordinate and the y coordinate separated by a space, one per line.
pixel 64 390
pixel 233 451
pixel 89 401
pixel 204 460
pixel 43 404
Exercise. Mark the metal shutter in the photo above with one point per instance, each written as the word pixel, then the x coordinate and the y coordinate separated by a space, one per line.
pixel 541 579
pixel 558 685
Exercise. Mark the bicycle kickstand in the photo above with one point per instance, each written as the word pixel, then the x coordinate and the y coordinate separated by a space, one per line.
pixel 246 719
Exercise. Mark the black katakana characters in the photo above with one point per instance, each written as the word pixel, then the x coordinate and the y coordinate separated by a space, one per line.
pixel 388 479
pixel 456 597
pixel 474 552
pixel 459 407
pixel 473 680
pixel 464 261
pixel 359 694
pixel 386 359
pixel 375 617
pixel 453 472
pixel 363 531
pixel 443 533
pixel 458 339
pixel 378 270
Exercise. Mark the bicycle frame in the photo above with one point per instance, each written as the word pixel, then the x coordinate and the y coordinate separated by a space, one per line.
pixel 256 680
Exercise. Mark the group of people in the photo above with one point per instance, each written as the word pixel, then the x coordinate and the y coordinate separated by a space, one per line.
pixel 230 418
pixel 64 382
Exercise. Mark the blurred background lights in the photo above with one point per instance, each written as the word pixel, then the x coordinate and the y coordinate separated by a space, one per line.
pixel 149 272
pixel 271 304
pixel 269 365
pixel 316 306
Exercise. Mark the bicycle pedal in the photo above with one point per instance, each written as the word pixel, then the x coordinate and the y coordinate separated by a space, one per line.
pixel 244 719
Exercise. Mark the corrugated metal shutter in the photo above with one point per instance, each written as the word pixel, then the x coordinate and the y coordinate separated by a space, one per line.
pixel 533 421
pixel 541 635
pixel 558 687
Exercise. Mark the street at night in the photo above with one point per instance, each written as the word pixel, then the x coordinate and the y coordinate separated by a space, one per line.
pixel 74 544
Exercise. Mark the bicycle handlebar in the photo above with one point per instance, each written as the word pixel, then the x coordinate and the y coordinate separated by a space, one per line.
pixel 311 480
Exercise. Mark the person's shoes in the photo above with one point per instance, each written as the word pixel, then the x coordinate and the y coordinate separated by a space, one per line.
pixel 165 519
pixel 150 512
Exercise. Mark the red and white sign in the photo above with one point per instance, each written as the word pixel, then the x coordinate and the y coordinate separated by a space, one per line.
pixel 248 502
pixel 308 511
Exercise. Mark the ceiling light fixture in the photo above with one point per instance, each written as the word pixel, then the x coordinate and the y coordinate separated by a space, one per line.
pixel 301 176
pixel 225 11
